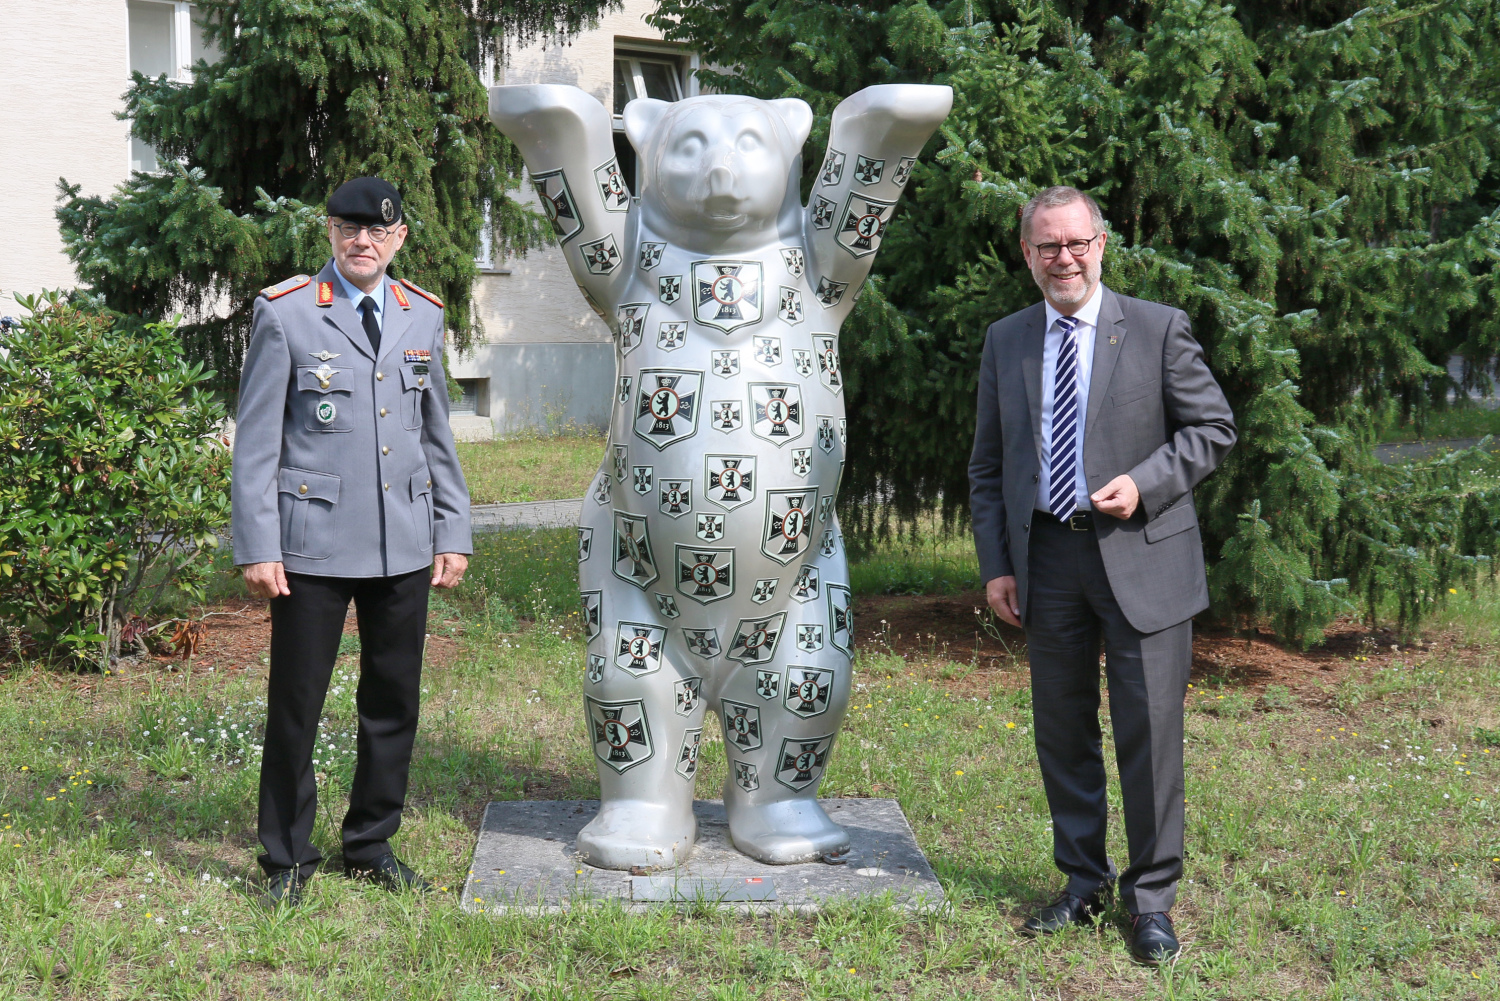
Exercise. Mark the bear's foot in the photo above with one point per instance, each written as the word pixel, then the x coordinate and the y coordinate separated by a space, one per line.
pixel 629 833
pixel 783 833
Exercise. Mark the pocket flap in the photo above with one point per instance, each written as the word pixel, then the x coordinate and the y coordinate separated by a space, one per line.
pixel 308 484
pixel 421 483
pixel 1177 520
pixel 416 380
pixel 310 379
pixel 1134 393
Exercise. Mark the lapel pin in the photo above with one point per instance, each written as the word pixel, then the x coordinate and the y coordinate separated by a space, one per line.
pixel 323 356
pixel 1114 340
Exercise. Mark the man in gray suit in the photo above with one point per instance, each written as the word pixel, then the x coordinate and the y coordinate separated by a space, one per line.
pixel 1097 417
pixel 346 488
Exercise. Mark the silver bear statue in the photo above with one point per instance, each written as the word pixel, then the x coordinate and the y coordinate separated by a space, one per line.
pixel 710 560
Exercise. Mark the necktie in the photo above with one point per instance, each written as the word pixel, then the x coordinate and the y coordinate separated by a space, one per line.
pixel 1062 498
pixel 372 329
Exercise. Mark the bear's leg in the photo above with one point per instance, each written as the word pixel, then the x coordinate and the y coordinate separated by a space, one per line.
pixel 645 733
pixel 778 750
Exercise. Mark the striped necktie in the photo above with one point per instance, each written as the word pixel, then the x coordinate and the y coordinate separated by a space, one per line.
pixel 1062 499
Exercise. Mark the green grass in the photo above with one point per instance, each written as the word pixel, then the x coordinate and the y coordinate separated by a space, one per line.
pixel 531 467
pixel 925 560
pixel 1343 847
pixel 1465 421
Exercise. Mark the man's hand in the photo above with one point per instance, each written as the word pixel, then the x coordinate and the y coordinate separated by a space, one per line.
pixel 267 580
pixel 1001 594
pixel 1118 497
pixel 448 569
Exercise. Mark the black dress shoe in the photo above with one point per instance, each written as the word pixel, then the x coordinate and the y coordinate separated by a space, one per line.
pixel 390 872
pixel 1152 939
pixel 283 889
pixel 1067 909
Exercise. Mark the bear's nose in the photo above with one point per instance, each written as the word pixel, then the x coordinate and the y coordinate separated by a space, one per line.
pixel 720 181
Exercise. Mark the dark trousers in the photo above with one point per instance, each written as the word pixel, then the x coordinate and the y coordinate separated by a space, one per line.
pixel 1069 608
pixel 305 630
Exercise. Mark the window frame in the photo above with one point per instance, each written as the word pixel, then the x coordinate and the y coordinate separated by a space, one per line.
pixel 180 57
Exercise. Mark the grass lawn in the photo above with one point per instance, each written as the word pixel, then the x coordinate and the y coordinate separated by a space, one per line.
pixel 531 467
pixel 1466 421
pixel 1345 844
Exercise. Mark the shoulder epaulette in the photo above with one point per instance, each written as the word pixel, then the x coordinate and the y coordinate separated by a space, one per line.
pixel 423 293
pixel 280 289
pixel 401 298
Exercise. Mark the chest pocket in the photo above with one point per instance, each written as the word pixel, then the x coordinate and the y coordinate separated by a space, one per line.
pixel 325 398
pixel 415 386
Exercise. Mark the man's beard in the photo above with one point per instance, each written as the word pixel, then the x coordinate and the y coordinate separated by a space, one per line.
pixel 1073 293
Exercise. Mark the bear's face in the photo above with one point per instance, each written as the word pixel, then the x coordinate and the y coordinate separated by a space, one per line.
pixel 716 164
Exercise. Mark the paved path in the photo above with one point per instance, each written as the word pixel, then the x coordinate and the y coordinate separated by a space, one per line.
pixel 531 514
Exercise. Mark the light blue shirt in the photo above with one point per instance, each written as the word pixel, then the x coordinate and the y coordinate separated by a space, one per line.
pixel 358 295
pixel 1088 323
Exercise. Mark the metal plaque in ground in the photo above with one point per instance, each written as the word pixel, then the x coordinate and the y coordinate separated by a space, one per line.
pixel 526 858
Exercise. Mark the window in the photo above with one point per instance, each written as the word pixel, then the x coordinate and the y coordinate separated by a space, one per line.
pixel 665 75
pixel 475 401
pixel 166 37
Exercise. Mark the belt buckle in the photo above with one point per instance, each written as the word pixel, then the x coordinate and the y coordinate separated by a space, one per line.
pixel 1079 521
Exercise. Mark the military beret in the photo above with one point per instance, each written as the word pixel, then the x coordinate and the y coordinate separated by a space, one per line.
pixel 369 200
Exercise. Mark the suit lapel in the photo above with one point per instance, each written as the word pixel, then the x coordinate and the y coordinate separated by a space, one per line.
pixel 1033 338
pixel 342 314
pixel 1109 341
pixel 397 322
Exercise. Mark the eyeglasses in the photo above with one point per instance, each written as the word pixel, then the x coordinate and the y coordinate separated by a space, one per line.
pixel 349 230
pixel 1077 248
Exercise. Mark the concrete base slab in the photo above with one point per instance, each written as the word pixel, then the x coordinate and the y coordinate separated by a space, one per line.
pixel 526 859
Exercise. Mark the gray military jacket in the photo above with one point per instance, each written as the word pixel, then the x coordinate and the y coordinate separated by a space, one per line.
pixel 344 463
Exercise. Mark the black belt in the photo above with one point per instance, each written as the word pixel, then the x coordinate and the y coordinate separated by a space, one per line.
pixel 1078 521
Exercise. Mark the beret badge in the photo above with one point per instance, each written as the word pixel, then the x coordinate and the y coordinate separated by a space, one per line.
pixel 387 210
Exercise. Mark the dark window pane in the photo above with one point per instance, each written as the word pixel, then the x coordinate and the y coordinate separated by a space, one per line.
pixel 624 85
pixel 661 80
pixel 625 154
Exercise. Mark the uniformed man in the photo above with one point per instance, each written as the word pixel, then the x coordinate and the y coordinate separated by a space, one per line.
pixel 346 486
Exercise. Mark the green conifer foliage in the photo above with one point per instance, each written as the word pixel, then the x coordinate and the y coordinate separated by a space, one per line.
pixel 306 96
pixel 1315 184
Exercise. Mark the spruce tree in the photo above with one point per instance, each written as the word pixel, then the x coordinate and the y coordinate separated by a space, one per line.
pixel 306 96
pixel 1315 184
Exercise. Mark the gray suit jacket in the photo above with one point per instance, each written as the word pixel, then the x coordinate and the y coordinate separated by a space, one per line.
pixel 1154 412
pixel 344 464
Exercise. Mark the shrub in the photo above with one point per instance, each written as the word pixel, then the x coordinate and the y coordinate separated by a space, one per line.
pixel 112 474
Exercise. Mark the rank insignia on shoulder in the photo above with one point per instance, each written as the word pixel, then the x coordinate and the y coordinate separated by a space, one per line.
pixel 400 296
pixel 325 293
pixel 280 289
pixel 423 293
pixel 415 355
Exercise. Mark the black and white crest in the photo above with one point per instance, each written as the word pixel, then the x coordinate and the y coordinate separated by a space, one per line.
pixel 778 412
pixel 729 480
pixel 795 261
pixel 768 685
pixel 710 527
pixel 764 590
pixel 687 757
pixel 651 254
pixel 843 431
pixel 624 394
pixel 585 543
pixel 667 409
pixel 666 606
pixel 802 362
pixel 862 224
pixel 868 170
pixel 601 490
pixel 725 415
pixel 612 187
pixel 671 335
pixel 810 638
pixel 726 294
pixel 840 619
pixel 788 523
pixel 829 371
pixel 790 308
pixel 807 691
pixel 830 543
pixel 805 584
pixel 591 602
pixel 768 351
pixel 601 256
pixel 644 478
pixel 622 737
pixel 595 670
pixel 638 650
pixel 622 461
pixel 745 776
pixel 902 173
pixel 705 575
pixel 825 434
pixel 833 168
pixel 725 363
pixel 676 497
pixel 634 562
pixel 825 509
pixel 801 761
pixel 630 319
pixel 702 642
pixel 741 725
pixel 755 639
pixel 801 461
pixel 829 293
pixel 822 212
pixel 669 288
pixel 557 203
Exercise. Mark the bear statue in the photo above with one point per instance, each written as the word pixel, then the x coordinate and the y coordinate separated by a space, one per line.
pixel 711 564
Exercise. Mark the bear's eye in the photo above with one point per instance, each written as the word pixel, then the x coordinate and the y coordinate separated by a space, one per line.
pixel 748 142
pixel 690 145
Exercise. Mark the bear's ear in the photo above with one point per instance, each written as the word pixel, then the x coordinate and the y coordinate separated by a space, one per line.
pixel 797 116
pixel 641 116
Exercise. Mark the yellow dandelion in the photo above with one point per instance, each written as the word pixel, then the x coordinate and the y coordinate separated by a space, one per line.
pixel 1010 726
pixel 959 772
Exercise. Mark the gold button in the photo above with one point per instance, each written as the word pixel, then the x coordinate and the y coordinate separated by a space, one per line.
pixel 379 376
pixel 386 485
pixel 302 489
pixel 385 450
pixel 382 411
pixel 421 381
pixel 429 483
